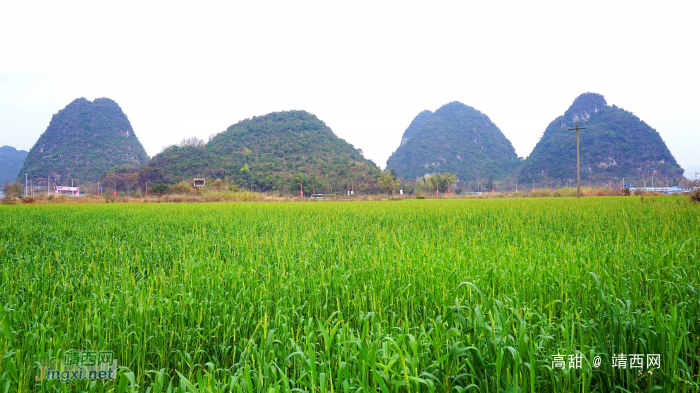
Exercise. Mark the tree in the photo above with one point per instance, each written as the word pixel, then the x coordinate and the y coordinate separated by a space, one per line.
pixel 489 184
pixel 160 188
pixel 192 142
pixel 121 181
pixel 441 182
pixel 298 181
pixel 423 184
pixel 151 175
pixel 13 190
pixel 447 180
pixel 387 182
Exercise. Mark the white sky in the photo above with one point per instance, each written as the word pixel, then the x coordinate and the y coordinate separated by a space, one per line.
pixel 366 68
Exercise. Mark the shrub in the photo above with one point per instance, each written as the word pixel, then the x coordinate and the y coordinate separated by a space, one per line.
pixel 182 187
pixel 216 185
pixel 420 197
pixel 695 196
pixel 159 188
pixel 28 200
pixel 540 193
pixel 228 196
pixel 181 198
pixel 565 192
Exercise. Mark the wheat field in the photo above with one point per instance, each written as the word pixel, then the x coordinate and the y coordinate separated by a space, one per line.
pixel 393 296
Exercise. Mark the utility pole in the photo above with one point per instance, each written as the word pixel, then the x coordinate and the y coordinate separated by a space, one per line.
pixel 26 182
pixel 644 177
pixel 578 162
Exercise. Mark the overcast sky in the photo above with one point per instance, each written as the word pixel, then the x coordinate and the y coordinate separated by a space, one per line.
pixel 366 68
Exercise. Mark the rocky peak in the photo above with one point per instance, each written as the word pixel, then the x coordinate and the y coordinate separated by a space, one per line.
pixel 584 106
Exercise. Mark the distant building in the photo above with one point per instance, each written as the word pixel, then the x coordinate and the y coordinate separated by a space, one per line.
pixel 67 191
pixel 2 194
pixel 200 182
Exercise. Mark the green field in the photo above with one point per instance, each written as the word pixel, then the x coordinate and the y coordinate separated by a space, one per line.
pixel 394 296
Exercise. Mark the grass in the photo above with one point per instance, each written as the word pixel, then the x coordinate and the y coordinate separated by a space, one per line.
pixel 399 296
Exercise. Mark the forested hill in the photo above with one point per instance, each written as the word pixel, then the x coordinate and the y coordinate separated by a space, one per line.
pixel 268 152
pixel 616 144
pixel 11 161
pixel 458 139
pixel 82 142
pixel 415 125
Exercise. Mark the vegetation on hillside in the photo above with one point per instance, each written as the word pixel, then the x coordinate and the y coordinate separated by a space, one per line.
pixel 415 125
pixel 616 144
pixel 82 142
pixel 274 152
pixel 11 161
pixel 458 139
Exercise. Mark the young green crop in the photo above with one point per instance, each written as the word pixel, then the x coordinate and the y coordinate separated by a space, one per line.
pixel 430 295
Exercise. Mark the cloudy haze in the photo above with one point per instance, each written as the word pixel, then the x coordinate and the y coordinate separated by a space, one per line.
pixel 181 69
